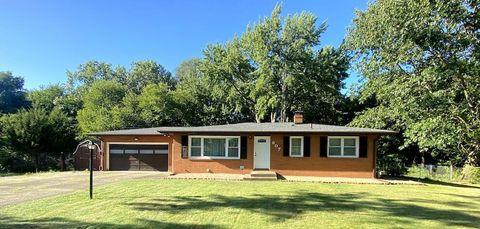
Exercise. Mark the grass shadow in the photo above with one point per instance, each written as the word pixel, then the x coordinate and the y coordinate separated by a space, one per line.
pixel 284 207
pixel 59 222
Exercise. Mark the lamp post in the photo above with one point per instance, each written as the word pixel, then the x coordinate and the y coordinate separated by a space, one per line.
pixel 91 147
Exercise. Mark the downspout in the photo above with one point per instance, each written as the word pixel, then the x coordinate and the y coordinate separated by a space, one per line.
pixel 172 140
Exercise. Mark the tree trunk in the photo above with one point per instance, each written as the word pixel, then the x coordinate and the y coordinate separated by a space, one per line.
pixel 36 162
pixel 283 105
pixel 473 158
pixel 257 118
pixel 62 163
pixel 273 116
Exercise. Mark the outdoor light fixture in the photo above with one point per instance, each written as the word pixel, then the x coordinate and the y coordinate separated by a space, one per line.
pixel 135 139
pixel 91 146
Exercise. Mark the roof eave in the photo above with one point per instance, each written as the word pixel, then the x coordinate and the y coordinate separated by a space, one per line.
pixel 268 132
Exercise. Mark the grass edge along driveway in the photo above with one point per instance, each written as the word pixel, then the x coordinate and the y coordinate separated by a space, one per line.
pixel 158 203
pixel 23 188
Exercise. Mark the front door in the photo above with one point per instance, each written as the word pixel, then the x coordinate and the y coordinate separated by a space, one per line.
pixel 261 152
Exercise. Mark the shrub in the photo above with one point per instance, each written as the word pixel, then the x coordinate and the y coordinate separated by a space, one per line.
pixel 11 161
pixel 15 162
pixel 391 165
pixel 471 174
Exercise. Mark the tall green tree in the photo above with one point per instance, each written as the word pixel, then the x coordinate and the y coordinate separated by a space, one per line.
pixel 420 59
pixel 318 91
pixel 62 131
pixel 102 106
pixel 62 119
pixel 25 132
pixel 147 72
pixel 138 76
pixel 36 131
pixel 229 77
pixel 12 93
pixel 155 105
pixel 108 97
pixel 196 94
pixel 274 67
pixel 46 97
pixel 91 71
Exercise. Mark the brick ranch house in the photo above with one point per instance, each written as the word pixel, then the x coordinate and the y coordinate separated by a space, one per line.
pixel 290 149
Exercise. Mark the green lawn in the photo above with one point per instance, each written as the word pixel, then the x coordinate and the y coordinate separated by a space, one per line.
pixel 222 204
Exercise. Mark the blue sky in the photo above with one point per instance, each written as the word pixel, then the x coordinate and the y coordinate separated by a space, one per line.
pixel 41 39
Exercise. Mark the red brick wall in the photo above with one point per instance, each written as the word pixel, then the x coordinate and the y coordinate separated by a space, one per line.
pixel 321 166
pixel 287 166
pixel 181 165
pixel 153 138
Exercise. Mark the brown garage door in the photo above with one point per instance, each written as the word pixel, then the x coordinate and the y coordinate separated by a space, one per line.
pixel 138 157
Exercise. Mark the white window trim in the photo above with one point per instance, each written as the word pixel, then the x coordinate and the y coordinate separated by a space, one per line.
pixel 301 146
pixel 342 138
pixel 202 137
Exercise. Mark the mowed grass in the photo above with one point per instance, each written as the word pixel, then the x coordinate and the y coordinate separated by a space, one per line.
pixel 223 204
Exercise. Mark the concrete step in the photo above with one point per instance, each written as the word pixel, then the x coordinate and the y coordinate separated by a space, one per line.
pixel 262 173
pixel 250 178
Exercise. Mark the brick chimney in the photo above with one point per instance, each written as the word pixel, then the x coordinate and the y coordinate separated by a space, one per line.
pixel 298 117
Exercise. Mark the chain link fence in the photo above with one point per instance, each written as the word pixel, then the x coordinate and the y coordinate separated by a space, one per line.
pixel 436 172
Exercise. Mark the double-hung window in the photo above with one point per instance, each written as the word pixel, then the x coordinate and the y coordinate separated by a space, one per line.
pixel 195 147
pixel 343 146
pixel 215 147
pixel 296 146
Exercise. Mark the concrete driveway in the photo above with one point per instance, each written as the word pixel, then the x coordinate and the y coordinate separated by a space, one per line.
pixel 17 189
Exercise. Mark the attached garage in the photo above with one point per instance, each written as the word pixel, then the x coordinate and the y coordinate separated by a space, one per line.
pixel 138 157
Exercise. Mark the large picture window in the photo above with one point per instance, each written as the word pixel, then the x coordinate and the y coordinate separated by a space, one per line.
pixel 214 147
pixel 343 146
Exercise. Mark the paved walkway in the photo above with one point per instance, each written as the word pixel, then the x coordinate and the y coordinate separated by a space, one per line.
pixel 344 180
pixel 331 180
pixel 208 176
pixel 17 189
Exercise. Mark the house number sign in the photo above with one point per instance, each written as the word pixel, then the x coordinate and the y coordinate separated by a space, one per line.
pixel 276 146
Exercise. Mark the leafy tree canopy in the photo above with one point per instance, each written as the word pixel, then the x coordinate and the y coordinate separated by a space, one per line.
pixel 46 97
pixel 102 106
pixel 155 104
pixel 36 131
pixel 108 97
pixel 196 94
pixel 278 66
pixel 148 72
pixel 421 62
pixel 140 74
pixel 12 94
